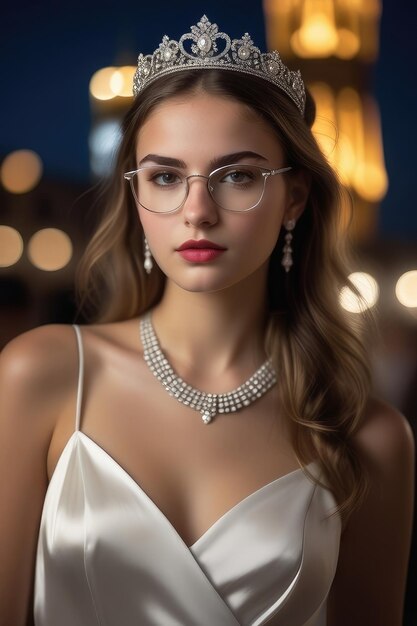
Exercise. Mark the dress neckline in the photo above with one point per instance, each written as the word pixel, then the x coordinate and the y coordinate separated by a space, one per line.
pixel 249 499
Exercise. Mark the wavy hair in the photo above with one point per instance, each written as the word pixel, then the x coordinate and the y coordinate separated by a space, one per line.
pixel 320 351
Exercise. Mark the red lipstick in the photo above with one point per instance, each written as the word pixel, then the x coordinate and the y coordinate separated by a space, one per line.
pixel 200 251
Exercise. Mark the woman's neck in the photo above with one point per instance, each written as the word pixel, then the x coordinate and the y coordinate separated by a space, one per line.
pixel 219 330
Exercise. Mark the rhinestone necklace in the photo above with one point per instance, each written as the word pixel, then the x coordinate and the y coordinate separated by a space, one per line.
pixel 209 404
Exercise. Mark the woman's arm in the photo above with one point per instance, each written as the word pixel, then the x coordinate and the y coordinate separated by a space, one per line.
pixel 370 580
pixel 34 376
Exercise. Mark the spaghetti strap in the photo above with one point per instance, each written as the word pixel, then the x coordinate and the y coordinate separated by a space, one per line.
pixel 80 375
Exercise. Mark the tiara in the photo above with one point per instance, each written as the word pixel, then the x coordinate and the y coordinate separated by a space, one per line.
pixel 237 55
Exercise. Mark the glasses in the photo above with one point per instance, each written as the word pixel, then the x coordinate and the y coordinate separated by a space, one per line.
pixel 164 189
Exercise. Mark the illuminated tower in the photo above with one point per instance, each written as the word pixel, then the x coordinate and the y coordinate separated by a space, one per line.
pixel 335 44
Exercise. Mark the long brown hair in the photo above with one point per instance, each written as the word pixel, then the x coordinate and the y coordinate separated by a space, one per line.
pixel 319 350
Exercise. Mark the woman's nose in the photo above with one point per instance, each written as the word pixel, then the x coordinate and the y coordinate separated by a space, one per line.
pixel 199 207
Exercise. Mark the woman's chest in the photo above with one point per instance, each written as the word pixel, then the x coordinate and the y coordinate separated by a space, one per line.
pixel 193 472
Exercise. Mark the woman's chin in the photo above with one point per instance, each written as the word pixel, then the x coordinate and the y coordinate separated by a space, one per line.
pixel 211 282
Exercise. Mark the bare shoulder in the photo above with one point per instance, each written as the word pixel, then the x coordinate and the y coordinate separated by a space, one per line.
pixel 40 343
pixel 371 575
pixel 38 350
pixel 46 357
pixel 37 369
pixel 37 373
pixel 384 438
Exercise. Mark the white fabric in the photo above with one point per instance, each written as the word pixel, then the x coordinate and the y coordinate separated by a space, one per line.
pixel 108 556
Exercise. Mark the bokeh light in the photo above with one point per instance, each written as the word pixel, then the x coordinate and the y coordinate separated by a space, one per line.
pixel 110 82
pixel 317 35
pixel 100 84
pixel 368 288
pixel 21 171
pixel 50 249
pixel 406 289
pixel 348 44
pixel 11 246
pixel 121 81
pixel 103 141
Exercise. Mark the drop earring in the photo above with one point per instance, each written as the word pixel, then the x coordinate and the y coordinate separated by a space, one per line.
pixel 147 263
pixel 287 251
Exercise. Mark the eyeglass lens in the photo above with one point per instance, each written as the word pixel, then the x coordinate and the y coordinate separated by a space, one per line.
pixel 163 189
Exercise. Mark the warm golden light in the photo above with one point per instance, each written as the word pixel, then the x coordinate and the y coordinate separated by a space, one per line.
pixel 330 132
pixel 360 158
pixel 317 35
pixel 279 24
pixel 368 288
pixel 121 81
pixel 348 28
pixel 350 132
pixel 406 289
pixel 279 7
pixel 100 84
pixel 116 82
pixel 370 177
pixel 21 171
pixel 371 8
pixel 370 181
pixel 110 82
pixel 50 249
pixel 11 246
pixel 370 12
pixel 321 28
pixel 324 127
pixel 348 44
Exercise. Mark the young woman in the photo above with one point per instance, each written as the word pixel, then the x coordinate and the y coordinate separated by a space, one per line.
pixel 217 266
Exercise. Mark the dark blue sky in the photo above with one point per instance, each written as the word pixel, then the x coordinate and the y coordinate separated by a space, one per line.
pixel 49 51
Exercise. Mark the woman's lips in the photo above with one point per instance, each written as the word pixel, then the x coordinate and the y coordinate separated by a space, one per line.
pixel 200 250
pixel 200 255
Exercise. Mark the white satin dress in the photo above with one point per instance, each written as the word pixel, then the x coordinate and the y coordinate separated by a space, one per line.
pixel 108 556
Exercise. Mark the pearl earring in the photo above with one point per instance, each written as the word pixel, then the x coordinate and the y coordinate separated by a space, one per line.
pixel 147 263
pixel 287 256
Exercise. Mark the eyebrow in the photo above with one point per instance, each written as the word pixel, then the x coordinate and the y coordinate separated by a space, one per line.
pixel 226 159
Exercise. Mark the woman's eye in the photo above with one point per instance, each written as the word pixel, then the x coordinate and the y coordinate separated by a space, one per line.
pixel 165 178
pixel 238 177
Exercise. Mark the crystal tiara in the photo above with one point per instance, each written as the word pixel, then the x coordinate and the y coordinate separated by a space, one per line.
pixel 237 55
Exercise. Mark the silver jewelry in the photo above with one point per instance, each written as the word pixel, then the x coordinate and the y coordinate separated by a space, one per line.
pixel 237 55
pixel 147 263
pixel 287 256
pixel 209 404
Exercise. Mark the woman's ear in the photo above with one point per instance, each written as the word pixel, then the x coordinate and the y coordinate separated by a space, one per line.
pixel 298 189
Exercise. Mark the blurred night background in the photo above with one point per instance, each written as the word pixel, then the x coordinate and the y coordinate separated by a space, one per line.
pixel 66 71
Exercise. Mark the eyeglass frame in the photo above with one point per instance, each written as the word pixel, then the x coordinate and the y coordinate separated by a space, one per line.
pixel 266 173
